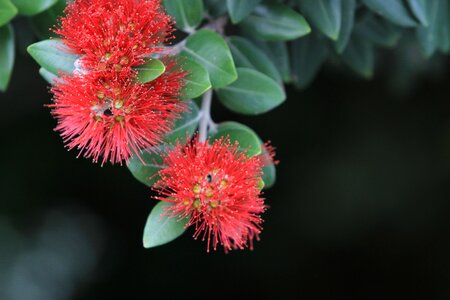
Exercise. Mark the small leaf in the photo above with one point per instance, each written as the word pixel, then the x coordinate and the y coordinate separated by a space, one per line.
pixel 378 31
pixel 419 8
pixel 160 230
pixel 146 167
pixel 187 14
pixel 53 55
pixel 393 10
pixel 248 55
pixel 347 20
pixel 324 14
pixel 359 56
pixel 252 93
pixel 150 71
pixel 7 11
pixel 308 55
pixel 444 28
pixel 33 7
pixel 275 22
pixel 211 51
pixel 48 76
pixel 185 126
pixel 216 8
pixel 240 9
pixel 248 140
pixel 7 53
pixel 197 79
pixel 41 23
pixel 278 53
pixel 429 36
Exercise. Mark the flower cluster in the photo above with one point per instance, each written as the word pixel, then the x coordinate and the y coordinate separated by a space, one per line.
pixel 101 108
pixel 218 188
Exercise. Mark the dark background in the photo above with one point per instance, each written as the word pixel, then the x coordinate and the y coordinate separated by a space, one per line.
pixel 360 209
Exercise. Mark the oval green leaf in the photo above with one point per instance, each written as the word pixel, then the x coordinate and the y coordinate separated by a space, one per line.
pixel 393 10
pixel 248 140
pixel 48 76
pixel 278 53
pixel 324 14
pixel 7 53
pixel 33 7
pixel 185 126
pixel 308 55
pixel 248 55
pixel 160 229
pixel 378 31
pixel 41 23
pixel 252 93
pixel 359 56
pixel 275 22
pixel 53 55
pixel 150 71
pixel 347 20
pixel 7 11
pixel 240 9
pixel 146 166
pixel 197 79
pixel 211 51
pixel 419 9
pixel 187 14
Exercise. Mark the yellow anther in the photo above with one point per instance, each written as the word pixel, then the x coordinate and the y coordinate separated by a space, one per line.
pixel 196 188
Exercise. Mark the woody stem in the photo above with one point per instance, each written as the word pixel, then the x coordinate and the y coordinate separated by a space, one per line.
pixel 206 116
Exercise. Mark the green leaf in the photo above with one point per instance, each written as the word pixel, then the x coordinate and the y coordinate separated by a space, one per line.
pixel 308 55
pixel 246 54
pixel 419 8
pixel 278 53
pixel 359 56
pixel 429 36
pixel 444 28
pixel 211 51
pixel 378 31
pixel 393 10
pixel 53 55
pixel 7 11
pixel 187 14
pixel 216 8
pixel 240 9
pixel 185 126
pixel 275 22
pixel 41 23
pixel 252 93
pixel 33 7
pixel 347 20
pixel 7 53
pixel 146 167
pixel 197 79
pixel 324 14
pixel 248 140
pixel 160 230
pixel 48 76
pixel 150 71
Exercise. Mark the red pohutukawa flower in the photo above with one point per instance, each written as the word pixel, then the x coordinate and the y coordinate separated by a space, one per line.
pixel 114 33
pixel 218 188
pixel 101 108
pixel 113 116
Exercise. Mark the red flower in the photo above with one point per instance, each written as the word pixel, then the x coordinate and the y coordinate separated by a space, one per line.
pixel 114 116
pixel 218 188
pixel 101 109
pixel 114 33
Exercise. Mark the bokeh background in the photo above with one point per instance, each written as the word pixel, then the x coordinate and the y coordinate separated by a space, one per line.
pixel 360 209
